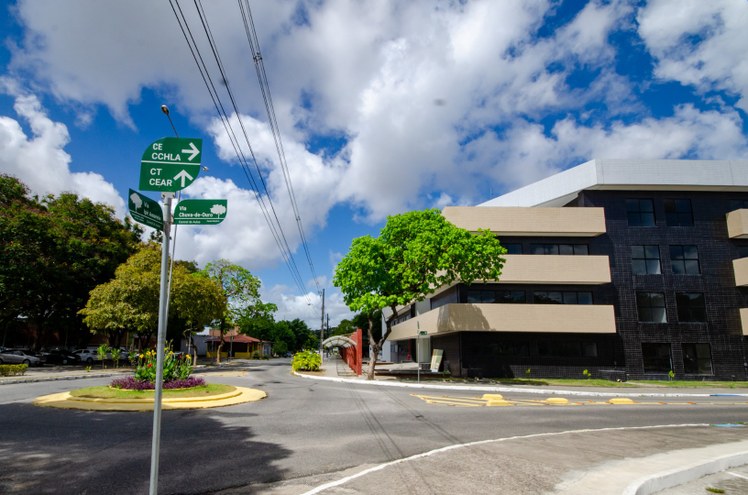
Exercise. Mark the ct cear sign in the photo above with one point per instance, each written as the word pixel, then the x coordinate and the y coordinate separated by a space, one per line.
pixel 170 164
pixel 200 211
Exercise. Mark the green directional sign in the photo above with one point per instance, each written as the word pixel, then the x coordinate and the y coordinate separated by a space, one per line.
pixel 170 164
pixel 200 211
pixel 144 210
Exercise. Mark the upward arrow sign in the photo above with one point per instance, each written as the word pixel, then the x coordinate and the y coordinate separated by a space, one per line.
pixel 170 164
pixel 183 176
pixel 192 150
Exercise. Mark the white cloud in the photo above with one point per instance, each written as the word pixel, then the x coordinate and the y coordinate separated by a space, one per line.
pixel 307 307
pixel 701 44
pixel 39 160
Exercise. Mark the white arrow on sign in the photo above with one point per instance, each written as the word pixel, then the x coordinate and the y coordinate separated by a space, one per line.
pixel 192 150
pixel 183 175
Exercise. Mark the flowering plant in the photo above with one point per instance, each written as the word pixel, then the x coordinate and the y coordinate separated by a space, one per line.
pixel 176 366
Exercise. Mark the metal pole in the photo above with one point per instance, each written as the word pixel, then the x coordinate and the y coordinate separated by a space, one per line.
pixel 322 331
pixel 163 311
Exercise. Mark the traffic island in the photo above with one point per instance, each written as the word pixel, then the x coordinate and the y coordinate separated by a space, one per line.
pixel 233 396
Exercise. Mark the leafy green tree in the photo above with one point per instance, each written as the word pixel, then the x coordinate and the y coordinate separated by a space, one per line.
pixel 54 251
pixel 415 253
pixel 26 249
pixel 130 301
pixel 242 292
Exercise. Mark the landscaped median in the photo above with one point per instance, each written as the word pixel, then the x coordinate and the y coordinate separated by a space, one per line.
pixel 109 399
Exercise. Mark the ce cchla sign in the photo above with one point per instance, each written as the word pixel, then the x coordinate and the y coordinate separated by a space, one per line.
pixel 170 164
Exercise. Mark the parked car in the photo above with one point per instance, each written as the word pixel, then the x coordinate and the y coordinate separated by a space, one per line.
pixel 61 356
pixel 14 356
pixel 87 356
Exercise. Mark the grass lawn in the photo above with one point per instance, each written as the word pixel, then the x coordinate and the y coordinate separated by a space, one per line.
pixel 107 392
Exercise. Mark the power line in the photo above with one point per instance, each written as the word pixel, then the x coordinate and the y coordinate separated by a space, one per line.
pixel 254 46
pixel 275 226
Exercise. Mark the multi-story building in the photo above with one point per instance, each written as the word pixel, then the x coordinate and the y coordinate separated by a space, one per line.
pixel 614 266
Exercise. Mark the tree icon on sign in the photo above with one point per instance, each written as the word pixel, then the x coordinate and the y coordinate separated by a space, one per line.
pixel 218 209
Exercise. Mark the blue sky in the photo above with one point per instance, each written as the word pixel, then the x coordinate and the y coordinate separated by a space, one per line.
pixel 382 106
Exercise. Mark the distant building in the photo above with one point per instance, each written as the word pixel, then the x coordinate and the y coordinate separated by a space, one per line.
pixel 614 266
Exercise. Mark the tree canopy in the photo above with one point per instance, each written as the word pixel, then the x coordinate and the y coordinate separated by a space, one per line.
pixel 130 301
pixel 415 253
pixel 242 292
pixel 53 251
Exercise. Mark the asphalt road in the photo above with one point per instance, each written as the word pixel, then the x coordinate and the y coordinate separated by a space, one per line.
pixel 304 434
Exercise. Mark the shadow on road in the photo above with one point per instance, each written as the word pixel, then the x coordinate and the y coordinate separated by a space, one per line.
pixel 46 450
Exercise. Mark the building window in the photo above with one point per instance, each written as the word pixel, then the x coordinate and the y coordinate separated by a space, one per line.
pixel 651 307
pixel 685 260
pixel 566 249
pixel 640 212
pixel 678 212
pixel 691 306
pixel 513 248
pixel 656 357
pixel 561 297
pixel 697 358
pixel 496 296
pixel 645 260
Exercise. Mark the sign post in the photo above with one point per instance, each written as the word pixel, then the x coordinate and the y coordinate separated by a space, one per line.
pixel 422 335
pixel 168 165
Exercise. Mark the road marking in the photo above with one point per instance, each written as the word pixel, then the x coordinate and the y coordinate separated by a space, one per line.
pixel 737 475
pixel 495 400
pixel 379 467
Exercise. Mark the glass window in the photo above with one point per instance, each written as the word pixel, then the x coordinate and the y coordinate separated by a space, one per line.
pixel 640 212
pixel 697 358
pixel 651 307
pixel 513 248
pixel 566 249
pixel 656 357
pixel 559 297
pixel 510 296
pixel 685 260
pixel 480 296
pixel 678 212
pixel 548 297
pixel 645 260
pixel 691 306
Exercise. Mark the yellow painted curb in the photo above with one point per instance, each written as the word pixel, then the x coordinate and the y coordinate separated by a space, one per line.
pixel 621 401
pixel 556 401
pixel 492 397
pixel 64 400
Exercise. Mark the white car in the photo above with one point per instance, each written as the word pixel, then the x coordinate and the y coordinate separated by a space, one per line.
pixel 87 356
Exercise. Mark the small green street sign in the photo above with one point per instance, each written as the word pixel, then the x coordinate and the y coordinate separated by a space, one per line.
pixel 170 164
pixel 144 210
pixel 200 211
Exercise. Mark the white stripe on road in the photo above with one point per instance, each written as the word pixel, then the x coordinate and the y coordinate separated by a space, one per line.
pixel 379 467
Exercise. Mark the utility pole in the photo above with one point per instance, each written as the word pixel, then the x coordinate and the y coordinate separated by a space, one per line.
pixel 322 329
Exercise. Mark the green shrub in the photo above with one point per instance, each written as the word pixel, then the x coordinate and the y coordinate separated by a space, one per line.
pixel 13 369
pixel 256 355
pixel 306 361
